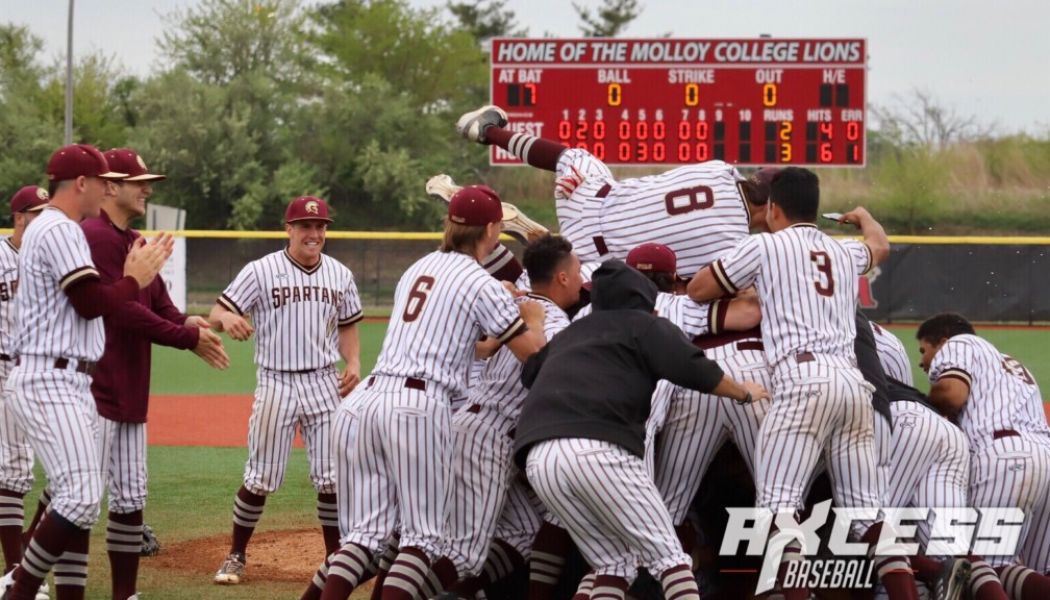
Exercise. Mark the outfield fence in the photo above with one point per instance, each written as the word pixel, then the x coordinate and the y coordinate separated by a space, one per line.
pixel 994 279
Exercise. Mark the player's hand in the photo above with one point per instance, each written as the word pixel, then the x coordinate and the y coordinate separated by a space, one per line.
pixel 532 313
pixel 348 380
pixel 209 348
pixel 514 291
pixel 237 326
pixel 146 259
pixel 197 321
pixel 858 216
pixel 565 186
pixel 755 390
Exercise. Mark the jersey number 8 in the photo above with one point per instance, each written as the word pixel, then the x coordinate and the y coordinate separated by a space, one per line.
pixel 417 297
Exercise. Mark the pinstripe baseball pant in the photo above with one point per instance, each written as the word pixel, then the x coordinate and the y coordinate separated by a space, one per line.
pixel 122 454
pixel 482 482
pixel 820 410
pixel 393 448
pixel 1015 472
pixel 605 498
pixel 283 402
pixel 16 454
pixel 57 412
pixel 930 466
pixel 698 424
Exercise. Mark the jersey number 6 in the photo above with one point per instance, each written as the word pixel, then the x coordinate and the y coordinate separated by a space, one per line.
pixel 417 298
pixel 822 261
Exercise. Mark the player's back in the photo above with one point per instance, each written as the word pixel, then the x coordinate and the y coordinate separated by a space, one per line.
pixel 443 304
pixel 892 355
pixel 499 386
pixel 807 285
pixel 1003 394
pixel 696 210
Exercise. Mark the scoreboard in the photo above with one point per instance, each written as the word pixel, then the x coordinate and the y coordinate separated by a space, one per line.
pixel 762 101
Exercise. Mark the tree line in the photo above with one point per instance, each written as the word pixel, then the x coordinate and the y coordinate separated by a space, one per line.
pixel 258 102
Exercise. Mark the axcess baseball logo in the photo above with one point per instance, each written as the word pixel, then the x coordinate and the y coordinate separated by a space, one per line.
pixel 953 532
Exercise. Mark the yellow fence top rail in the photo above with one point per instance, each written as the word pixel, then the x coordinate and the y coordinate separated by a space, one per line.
pixel 437 235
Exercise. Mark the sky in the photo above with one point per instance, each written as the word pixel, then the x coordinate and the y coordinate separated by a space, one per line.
pixel 979 58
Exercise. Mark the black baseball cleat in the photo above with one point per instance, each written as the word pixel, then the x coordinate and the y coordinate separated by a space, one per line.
pixel 473 124
pixel 953 580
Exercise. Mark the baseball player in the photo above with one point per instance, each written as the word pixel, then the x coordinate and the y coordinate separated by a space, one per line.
pixel 603 217
pixel 483 478
pixel 582 429
pixel 16 455
pixel 51 382
pixel 997 403
pixel 121 382
pixel 393 434
pixel 305 307
pixel 929 467
pixel 806 283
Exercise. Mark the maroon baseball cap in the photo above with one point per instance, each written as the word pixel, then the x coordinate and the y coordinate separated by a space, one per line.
pixel 79 160
pixel 475 205
pixel 31 198
pixel 652 258
pixel 307 208
pixel 126 160
pixel 759 181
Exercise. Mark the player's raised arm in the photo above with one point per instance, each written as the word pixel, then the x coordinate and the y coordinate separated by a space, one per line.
pixel 874 235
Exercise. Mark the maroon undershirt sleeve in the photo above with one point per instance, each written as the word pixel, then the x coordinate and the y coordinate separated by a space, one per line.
pixel 93 299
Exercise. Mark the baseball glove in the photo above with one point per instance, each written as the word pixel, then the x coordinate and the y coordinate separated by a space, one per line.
pixel 150 543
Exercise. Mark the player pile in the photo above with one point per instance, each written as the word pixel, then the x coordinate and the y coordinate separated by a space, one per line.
pixel 623 395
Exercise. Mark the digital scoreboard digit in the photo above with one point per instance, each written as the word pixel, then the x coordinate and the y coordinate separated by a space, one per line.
pixel 759 101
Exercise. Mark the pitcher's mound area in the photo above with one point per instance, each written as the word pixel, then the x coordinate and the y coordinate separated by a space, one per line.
pixel 290 555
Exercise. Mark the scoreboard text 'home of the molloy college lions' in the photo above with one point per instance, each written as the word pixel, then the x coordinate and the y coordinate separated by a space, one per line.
pixel 758 101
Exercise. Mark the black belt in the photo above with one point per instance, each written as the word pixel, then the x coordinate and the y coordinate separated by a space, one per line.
pixel 410 383
pixel 751 345
pixel 83 366
pixel 6 357
pixel 805 357
pixel 1002 433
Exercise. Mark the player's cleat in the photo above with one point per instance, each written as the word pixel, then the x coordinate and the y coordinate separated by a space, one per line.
pixel 953 580
pixel 473 124
pixel 442 187
pixel 44 592
pixel 232 570
pixel 8 581
pixel 520 227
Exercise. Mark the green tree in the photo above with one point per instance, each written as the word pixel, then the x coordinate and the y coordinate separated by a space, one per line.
pixel 219 123
pixel 394 80
pixel 487 19
pixel 610 19
pixel 26 137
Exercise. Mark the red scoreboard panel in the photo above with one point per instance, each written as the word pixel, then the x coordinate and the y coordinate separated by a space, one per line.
pixel 641 101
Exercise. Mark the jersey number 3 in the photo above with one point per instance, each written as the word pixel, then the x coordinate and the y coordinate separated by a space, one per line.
pixel 825 282
pixel 417 297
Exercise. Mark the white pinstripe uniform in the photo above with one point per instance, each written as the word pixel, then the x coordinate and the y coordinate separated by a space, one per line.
pixel 807 287
pixel 930 464
pixel 394 433
pixel 297 312
pixel 892 355
pixel 605 218
pixel 483 475
pixel 54 406
pixel 1009 438
pixel 16 454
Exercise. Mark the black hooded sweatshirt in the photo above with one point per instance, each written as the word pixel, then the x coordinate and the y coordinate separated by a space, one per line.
pixel 595 378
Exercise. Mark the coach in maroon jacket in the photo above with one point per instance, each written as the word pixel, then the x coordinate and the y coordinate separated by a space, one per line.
pixel 121 382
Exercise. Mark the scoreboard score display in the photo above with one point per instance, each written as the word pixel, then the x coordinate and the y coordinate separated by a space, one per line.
pixel 762 101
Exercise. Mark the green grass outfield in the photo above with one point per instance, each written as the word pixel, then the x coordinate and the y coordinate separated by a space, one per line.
pixel 191 489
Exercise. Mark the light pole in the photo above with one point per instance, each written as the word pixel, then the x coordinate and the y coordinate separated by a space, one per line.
pixel 69 79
